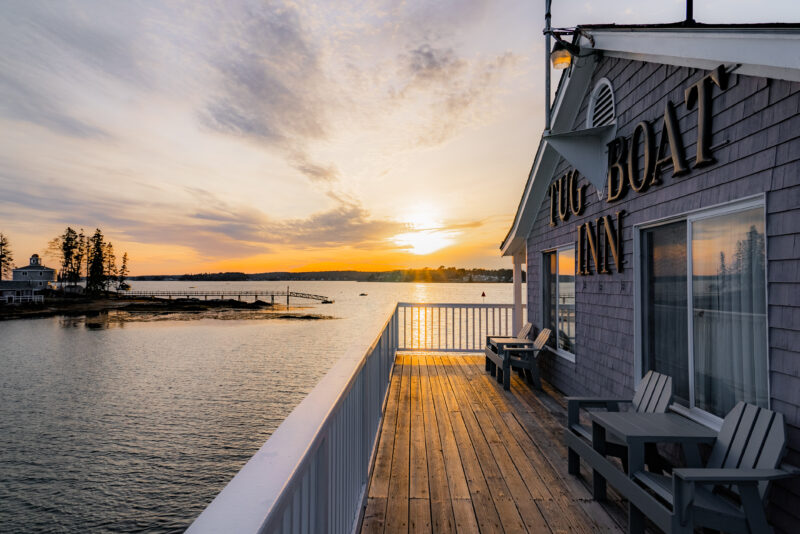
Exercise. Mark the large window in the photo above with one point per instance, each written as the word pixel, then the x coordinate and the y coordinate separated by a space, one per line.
pixel 559 297
pixel 704 318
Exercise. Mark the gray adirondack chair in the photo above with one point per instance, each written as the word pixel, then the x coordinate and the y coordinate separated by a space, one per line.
pixel 653 395
pixel 521 339
pixel 503 354
pixel 729 493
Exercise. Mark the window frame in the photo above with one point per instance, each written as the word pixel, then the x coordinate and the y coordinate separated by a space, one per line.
pixel 569 356
pixel 691 411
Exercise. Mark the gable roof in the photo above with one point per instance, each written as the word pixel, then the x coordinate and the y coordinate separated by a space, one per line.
pixel 768 50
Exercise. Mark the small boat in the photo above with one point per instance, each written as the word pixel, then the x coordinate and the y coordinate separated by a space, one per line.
pixel 362 295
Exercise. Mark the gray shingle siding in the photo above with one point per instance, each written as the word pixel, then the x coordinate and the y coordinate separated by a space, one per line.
pixel 757 121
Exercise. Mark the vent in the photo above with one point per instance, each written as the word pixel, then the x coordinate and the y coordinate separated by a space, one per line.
pixel 601 106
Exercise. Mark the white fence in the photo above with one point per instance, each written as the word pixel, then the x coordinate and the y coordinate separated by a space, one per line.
pixel 312 474
pixel 451 327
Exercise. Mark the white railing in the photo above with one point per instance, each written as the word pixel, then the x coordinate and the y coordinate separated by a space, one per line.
pixel 312 474
pixel 451 327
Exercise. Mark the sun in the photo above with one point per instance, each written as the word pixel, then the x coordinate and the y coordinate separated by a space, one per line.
pixel 425 241
pixel 426 232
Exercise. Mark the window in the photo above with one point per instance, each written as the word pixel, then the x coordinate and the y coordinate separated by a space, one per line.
pixel 704 307
pixel 559 298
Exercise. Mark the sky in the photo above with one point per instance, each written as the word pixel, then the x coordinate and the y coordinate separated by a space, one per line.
pixel 230 135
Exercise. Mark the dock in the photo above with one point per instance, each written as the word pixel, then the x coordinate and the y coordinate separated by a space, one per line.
pixel 458 454
pixel 228 293
pixel 414 435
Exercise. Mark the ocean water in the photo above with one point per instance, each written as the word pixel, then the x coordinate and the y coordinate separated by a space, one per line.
pixel 136 426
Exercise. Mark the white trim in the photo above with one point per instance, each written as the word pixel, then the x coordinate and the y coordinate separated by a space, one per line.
pixel 768 52
pixel 571 92
pixel 755 201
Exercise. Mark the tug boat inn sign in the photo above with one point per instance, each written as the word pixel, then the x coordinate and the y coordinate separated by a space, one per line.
pixel 602 241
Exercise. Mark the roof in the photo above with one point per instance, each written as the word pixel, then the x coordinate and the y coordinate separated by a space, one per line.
pixel 767 50
pixel 34 268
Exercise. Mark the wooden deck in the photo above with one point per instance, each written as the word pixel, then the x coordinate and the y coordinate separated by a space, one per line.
pixel 458 454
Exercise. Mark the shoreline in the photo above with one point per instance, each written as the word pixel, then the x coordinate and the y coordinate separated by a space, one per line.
pixel 153 308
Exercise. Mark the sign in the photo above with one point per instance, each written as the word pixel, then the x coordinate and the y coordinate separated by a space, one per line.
pixel 601 240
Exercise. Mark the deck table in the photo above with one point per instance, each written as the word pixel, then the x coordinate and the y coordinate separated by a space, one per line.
pixel 638 429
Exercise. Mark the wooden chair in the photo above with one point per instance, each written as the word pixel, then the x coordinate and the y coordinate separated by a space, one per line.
pixel 728 494
pixel 653 395
pixel 522 337
pixel 504 353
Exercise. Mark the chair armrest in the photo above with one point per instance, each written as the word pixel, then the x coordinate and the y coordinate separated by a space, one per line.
pixel 574 404
pixel 730 475
pixel 506 344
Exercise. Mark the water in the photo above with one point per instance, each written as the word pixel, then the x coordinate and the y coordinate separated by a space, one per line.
pixel 137 426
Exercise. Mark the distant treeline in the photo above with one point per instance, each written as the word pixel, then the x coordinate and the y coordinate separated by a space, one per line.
pixel 442 274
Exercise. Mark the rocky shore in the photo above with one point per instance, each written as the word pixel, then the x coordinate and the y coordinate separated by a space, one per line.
pixel 156 309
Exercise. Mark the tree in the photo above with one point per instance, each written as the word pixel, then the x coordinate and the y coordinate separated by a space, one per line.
pixel 109 266
pixel 96 265
pixel 122 284
pixel 6 257
pixel 81 257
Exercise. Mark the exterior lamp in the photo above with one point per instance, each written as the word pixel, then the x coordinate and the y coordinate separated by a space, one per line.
pixel 562 54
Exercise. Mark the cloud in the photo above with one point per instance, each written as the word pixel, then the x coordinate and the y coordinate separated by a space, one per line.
pixel 458 91
pixel 52 61
pixel 267 77
pixel 23 102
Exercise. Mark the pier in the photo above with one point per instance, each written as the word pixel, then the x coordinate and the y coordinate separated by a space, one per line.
pixel 222 294
pixel 414 436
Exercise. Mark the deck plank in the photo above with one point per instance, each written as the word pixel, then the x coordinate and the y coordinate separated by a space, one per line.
pixel 485 512
pixel 442 519
pixel 398 502
pixel 375 513
pixel 458 454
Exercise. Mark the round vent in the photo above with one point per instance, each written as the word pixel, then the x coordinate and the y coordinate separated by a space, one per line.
pixel 601 105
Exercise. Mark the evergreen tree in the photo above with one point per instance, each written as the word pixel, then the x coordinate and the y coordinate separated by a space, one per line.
pixel 96 265
pixel 81 257
pixel 6 257
pixel 122 284
pixel 109 266
pixel 70 271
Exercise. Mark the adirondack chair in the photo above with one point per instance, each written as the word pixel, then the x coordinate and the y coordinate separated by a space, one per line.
pixel 729 493
pixel 653 395
pixel 522 338
pixel 502 356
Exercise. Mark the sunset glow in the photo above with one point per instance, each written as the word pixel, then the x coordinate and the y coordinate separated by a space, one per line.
pixel 257 136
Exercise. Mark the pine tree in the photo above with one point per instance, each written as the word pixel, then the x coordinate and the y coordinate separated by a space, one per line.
pixel 96 266
pixel 6 257
pixel 81 257
pixel 69 245
pixel 122 284
pixel 109 266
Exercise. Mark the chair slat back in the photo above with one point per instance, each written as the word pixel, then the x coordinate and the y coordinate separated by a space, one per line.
pixel 541 339
pixel 525 332
pixel 750 437
pixel 653 394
